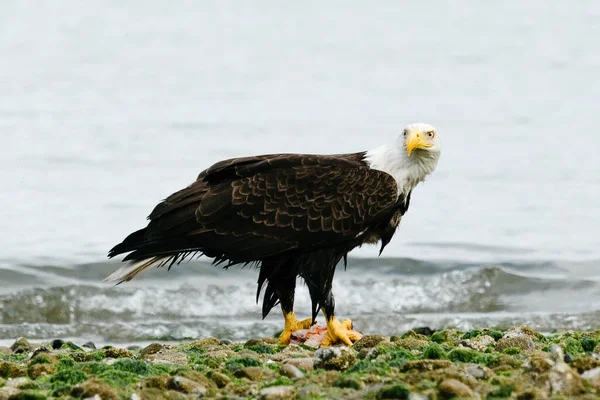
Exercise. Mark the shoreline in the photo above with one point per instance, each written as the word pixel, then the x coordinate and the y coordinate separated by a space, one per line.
pixel 517 363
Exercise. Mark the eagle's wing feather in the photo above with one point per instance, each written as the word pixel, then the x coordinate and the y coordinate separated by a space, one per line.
pixel 248 209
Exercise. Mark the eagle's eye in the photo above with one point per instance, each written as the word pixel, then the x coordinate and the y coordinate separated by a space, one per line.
pixel 431 134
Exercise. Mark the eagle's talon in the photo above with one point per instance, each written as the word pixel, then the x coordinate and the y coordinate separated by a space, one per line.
pixel 291 325
pixel 340 332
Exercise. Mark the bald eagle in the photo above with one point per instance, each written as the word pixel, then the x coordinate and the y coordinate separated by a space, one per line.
pixel 293 215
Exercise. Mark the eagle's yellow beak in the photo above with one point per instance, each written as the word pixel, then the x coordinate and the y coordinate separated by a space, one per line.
pixel 415 141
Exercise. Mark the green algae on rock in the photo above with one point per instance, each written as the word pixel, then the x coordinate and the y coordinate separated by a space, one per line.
pixel 483 363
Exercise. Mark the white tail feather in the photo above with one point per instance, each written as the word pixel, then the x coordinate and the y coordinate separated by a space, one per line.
pixel 128 272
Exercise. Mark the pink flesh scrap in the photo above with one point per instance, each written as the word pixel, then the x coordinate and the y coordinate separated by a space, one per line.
pixel 311 337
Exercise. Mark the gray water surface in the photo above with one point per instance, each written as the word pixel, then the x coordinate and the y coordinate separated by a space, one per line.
pixel 105 109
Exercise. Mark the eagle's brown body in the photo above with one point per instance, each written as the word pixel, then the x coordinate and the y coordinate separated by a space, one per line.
pixel 294 215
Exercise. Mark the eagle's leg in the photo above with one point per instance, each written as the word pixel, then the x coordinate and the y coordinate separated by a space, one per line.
pixel 285 292
pixel 337 331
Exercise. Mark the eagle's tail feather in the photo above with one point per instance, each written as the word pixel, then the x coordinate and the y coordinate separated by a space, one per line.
pixel 129 271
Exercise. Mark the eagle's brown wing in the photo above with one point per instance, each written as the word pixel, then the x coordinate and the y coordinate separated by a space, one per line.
pixel 248 209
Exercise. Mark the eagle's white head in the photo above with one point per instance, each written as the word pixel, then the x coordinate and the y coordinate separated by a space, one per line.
pixel 410 158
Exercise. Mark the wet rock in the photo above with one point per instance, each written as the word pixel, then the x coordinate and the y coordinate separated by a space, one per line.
pixel 426 365
pixel 221 380
pixel 252 373
pixel 538 363
pixel 568 358
pixel 564 380
pixel 557 354
pixel 309 392
pixel 21 345
pixel 93 388
pixel 151 349
pixel 114 352
pixel 11 387
pixel 478 372
pixel 89 345
pixel 10 369
pixel 411 343
pixel 369 341
pixel 523 342
pixel 204 342
pixel 393 392
pixel 40 350
pixel 349 383
pixel 57 344
pixel 291 371
pixel 593 377
pixel 225 342
pixel 277 393
pixel 479 343
pixel 334 358
pixel 304 363
pixel 452 388
pixel 186 385
pixel 37 370
pixel 520 331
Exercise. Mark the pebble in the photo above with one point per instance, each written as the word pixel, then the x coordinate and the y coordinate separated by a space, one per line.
pixel 334 358
pixel 221 380
pixel 305 363
pixel 477 371
pixel 291 371
pixel 252 373
pixel 57 344
pixel 21 345
pixel 39 350
pixel 557 354
pixel 89 345
pixel 479 343
pixel 186 385
pixel 225 342
pixel 451 388
pixel 277 393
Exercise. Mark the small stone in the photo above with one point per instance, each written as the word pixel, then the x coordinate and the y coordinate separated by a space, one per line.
pixel 115 352
pixel 557 354
pixel 253 342
pixel 252 373
pixel 93 388
pixel 40 350
pixel 225 342
pixel 334 358
pixel 57 344
pixel 564 380
pixel 277 393
pixel 451 388
pixel 204 342
pixel 520 331
pixel 426 365
pixel 568 358
pixel 37 370
pixel 151 349
pixel 221 380
pixel 291 371
pixel 523 342
pixel 593 377
pixel 477 371
pixel 135 396
pixel 411 343
pixel 186 385
pixel 304 363
pixel 479 343
pixel 89 345
pixel 369 341
pixel 21 345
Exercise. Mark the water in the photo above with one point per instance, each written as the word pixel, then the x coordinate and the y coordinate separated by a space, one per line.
pixel 105 110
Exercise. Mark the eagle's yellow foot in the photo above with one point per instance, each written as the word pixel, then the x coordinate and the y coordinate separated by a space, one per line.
pixel 340 332
pixel 291 325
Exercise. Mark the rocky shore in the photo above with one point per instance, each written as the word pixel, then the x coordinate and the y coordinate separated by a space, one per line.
pixel 481 364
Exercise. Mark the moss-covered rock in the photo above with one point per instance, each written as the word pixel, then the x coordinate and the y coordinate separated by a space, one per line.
pixel 452 388
pixel 94 387
pixel 334 358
